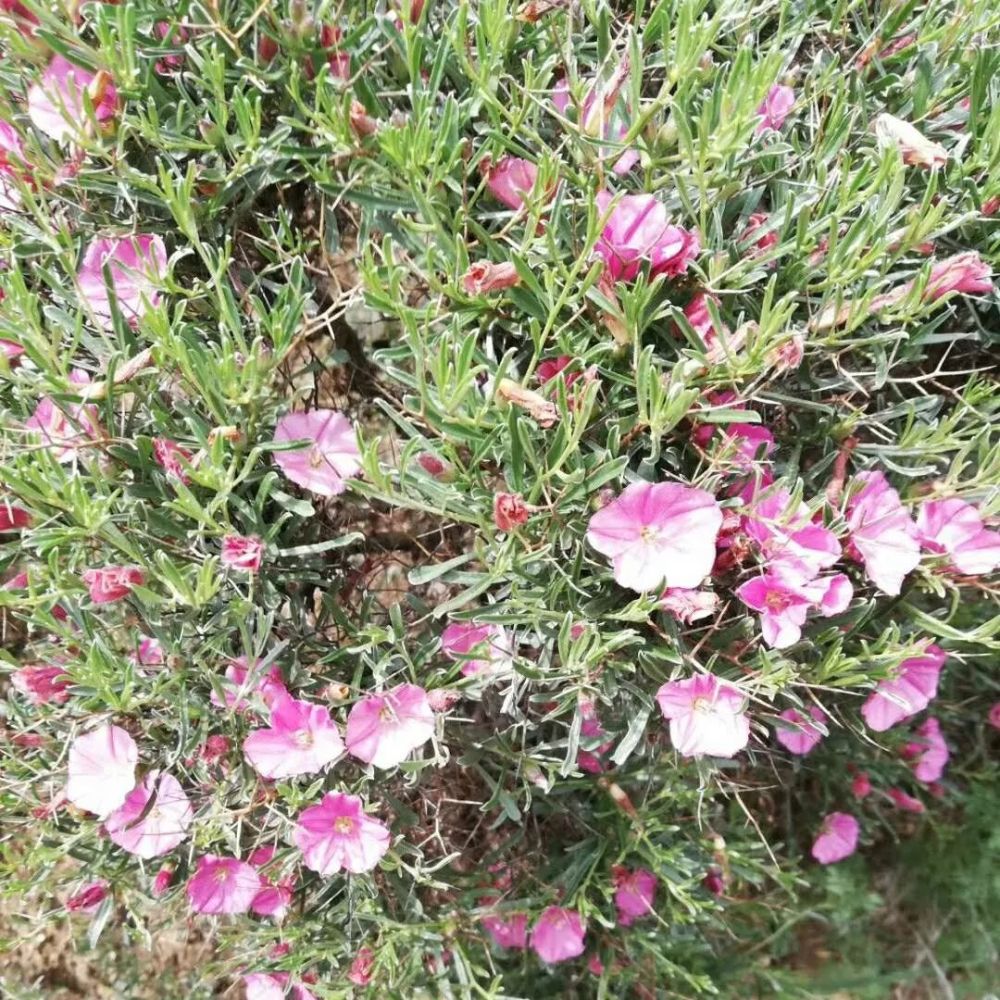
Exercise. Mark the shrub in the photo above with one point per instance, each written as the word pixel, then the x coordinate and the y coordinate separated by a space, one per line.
pixel 497 498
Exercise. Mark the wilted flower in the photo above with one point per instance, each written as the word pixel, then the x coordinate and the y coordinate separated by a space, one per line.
pixel 788 355
pixel 434 466
pixel 243 679
pixel 838 838
pixel 25 21
pixel 689 606
pixel 956 528
pixel 510 180
pixel 775 108
pixel 634 893
pixel 154 818
pixel 12 167
pixel 508 932
pixel 170 456
pixel 242 552
pixel 509 511
pixel 929 752
pixel 916 149
pixel 558 935
pixel 883 535
pixel 112 583
pixel 42 684
pixel 274 986
pixel 362 122
pixel 907 692
pixel 637 232
pixel 383 729
pixel 163 880
pixel 336 834
pixel 658 533
pixel 330 456
pixel 149 652
pixel 801 736
pixel 706 716
pixel 56 102
pixel 360 972
pixel 540 409
pixel 89 898
pixel 552 368
pixel 222 885
pixel 906 802
pixel 486 648
pixel 101 769
pixel 967 273
pixel 175 34
pixel 485 276
pixel 66 427
pixel 136 265
pixel 861 785
pixel 758 236
pixel 301 739
pixel 214 748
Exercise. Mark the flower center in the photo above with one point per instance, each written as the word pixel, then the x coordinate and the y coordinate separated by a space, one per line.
pixel 343 824
pixel 648 533
pixel 222 875
pixel 702 705
pixel 315 458
pixel 303 738
pixel 776 601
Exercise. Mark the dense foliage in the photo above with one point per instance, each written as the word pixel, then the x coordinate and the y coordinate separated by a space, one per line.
pixel 497 497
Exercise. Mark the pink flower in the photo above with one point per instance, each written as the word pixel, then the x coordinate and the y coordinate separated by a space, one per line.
pixel 66 427
pixel 706 716
pixel 689 606
pixel 907 692
pixel 486 648
pixel 10 349
pixel 360 972
pixel 697 314
pixel 637 232
pixel 163 880
pixel 956 528
pixel 42 684
pixel 383 729
pixel 838 838
pixel 758 236
pixel 930 752
pixel 172 457
pixel 802 735
pixel 788 354
pixel 901 800
pixel 595 966
pixel 136 265
pixel 56 105
pixel 634 892
pixel 23 19
pixel 509 511
pixel 783 600
pixel 214 748
pixel 273 898
pixel 222 885
pixel 510 180
pixel 242 552
pixel 967 273
pixel 242 679
pixel 336 834
pixel 112 583
pixel 485 276
pixel 101 769
pixel 11 167
pixel 836 596
pixel 301 739
pixel 557 935
pixel 993 718
pixel 508 932
pixel 775 108
pixel 149 652
pixel 89 898
pixel 330 456
pixel 154 818
pixel 790 536
pixel 861 786
pixel 883 535
pixel 658 533
pixel 274 986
